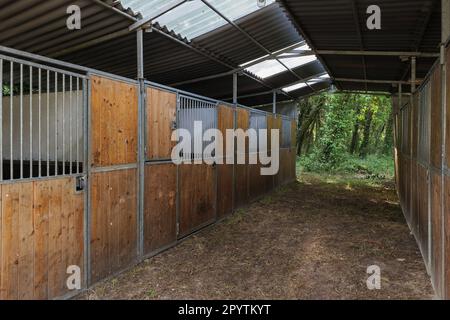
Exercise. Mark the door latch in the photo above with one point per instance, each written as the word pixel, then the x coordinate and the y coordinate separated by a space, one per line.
pixel 80 183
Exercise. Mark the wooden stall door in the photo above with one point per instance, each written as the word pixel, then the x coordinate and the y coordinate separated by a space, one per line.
pixel 160 207
pixel 161 117
pixel 225 171
pixel 41 236
pixel 113 182
pixel 241 179
pixel 197 198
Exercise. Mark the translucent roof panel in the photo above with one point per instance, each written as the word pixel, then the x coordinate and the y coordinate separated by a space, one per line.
pixel 272 67
pixel 194 18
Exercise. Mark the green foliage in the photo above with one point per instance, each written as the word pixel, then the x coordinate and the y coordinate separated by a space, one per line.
pixel 352 135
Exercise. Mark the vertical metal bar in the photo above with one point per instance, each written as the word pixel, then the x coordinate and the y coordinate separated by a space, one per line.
pixel 413 74
pixel 31 122
pixel 70 125
pixel 141 139
pixel 21 121
pixel 48 123
pixel 11 124
pixel 56 124
pixel 40 125
pixel 1 120
pixel 86 168
pixel 235 88
pixel 77 110
pixel 274 106
pixel 63 122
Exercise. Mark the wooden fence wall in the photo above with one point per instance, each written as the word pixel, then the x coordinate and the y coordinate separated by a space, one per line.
pixel 47 225
pixel 422 155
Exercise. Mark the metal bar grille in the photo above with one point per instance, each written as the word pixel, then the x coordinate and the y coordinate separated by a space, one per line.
pixel 286 134
pixel 40 132
pixel 424 142
pixel 190 111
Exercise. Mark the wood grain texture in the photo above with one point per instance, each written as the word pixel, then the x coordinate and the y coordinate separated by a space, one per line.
pixel 447 237
pixel 242 170
pixel 447 120
pixel 161 114
pixel 41 236
pixel 114 115
pixel 160 207
pixel 197 197
pixel 423 211
pixel 113 222
pixel 225 171
pixel 436 231
pixel 436 119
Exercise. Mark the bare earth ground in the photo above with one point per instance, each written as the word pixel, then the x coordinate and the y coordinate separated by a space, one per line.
pixel 311 240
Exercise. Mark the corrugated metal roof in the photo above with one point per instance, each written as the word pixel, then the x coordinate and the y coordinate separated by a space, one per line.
pixel 194 18
pixel 407 25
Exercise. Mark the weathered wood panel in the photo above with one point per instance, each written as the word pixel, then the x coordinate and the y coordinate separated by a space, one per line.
pixel 41 236
pixel 436 231
pixel 160 207
pixel 242 170
pixel 447 131
pixel 114 115
pixel 225 171
pixel 423 210
pixel 447 237
pixel 436 119
pixel 278 178
pixel 113 222
pixel 257 182
pixel 161 115
pixel 197 197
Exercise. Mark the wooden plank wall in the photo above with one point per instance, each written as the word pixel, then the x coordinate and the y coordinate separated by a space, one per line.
pixel 161 115
pixel 113 191
pixel 278 179
pixel 225 171
pixel 41 235
pixel 197 203
pixel 160 207
pixel 424 187
pixel 113 222
pixel 113 122
pixel 241 181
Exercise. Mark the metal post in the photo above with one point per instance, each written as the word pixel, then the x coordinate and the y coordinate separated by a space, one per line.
pixel 235 88
pixel 141 139
pixel 445 37
pixel 413 74
pixel 274 102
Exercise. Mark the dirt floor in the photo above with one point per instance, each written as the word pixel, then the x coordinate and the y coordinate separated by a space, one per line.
pixel 313 239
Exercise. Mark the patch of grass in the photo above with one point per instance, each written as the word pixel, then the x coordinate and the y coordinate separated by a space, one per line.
pixel 237 217
pixel 151 293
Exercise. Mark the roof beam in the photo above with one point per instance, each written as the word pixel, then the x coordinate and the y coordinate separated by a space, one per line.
pixel 248 36
pixel 209 56
pixel 375 81
pixel 378 53
pixel 237 70
pixel 147 21
pixel 280 89
pixel 360 37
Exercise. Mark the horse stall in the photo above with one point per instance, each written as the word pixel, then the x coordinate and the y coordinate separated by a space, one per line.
pixel 88 186
pixel 422 158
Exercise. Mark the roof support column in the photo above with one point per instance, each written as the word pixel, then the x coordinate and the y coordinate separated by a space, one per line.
pixel 444 114
pixel 235 88
pixel 413 74
pixel 141 140
pixel 274 102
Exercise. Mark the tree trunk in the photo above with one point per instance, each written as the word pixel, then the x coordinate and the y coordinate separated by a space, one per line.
pixel 389 138
pixel 367 126
pixel 355 140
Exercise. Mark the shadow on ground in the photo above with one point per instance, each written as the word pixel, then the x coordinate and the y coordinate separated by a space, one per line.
pixel 310 240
